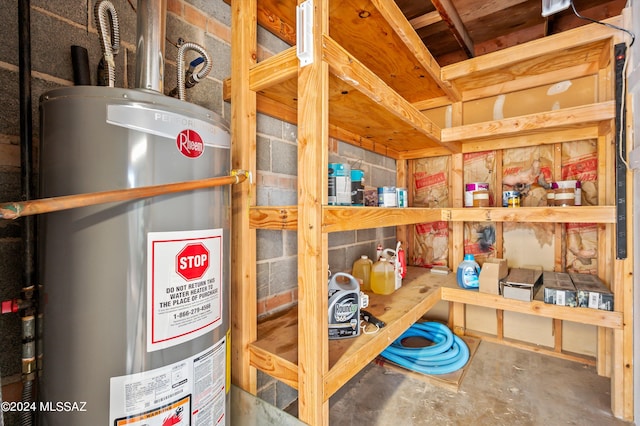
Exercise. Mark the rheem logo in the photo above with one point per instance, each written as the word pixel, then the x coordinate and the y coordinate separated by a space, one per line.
pixel 190 144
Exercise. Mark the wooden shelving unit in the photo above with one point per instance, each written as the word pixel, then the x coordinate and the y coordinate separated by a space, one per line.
pixel 347 218
pixel 420 292
pixel 369 80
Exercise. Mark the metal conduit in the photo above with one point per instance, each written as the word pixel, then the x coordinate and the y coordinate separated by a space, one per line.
pixel 29 225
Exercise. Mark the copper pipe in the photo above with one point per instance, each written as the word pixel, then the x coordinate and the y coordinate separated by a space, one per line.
pixel 15 210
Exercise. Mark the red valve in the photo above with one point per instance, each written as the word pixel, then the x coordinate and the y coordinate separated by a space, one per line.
pixel 9 306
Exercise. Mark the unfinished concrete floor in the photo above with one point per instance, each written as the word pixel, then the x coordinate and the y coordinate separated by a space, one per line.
pixel 503 386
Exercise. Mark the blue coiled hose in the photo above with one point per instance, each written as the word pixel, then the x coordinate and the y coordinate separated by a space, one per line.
pixel 448 353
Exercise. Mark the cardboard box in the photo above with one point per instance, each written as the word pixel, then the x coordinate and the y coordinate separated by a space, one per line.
pixel 521 284
pixel 592 292
pixel 492 271
pixel 558 289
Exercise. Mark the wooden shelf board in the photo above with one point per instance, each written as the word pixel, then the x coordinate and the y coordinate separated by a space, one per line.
pixel 377 33
pixel 356 76
pixel 531 124
pixel 379 36
pixel 344 218
pixel 276 365
pixel 524 83
pixel 338 218
pixel 276 351
pixel 586 44
pixel 359 102
pixel 289 114
pixel 274 70
pixel 378 119
pixel 419 293
pixel 585 214
pixel 397 125
pixel 581 315
pixel 541 138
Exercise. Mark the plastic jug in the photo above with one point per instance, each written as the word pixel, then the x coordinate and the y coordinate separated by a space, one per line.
pixel 468 272
pixel 398 261
pixel 383 277
pixel 362 270
pixel 344 307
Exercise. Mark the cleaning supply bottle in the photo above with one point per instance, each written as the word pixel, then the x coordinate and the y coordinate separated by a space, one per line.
pixel 402 260
pixel 382 277
pixel 362 270
pixel 468 272
pixel 392 259
pixel 344 306
pixel 397 259
pixel 400 265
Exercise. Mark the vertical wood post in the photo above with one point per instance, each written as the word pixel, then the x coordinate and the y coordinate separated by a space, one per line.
pixel 313 158
pixel 243 156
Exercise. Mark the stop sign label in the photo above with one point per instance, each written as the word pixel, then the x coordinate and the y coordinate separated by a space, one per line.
pixel 192 261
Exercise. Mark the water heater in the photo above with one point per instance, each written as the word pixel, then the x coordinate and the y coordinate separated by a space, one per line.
pixel 135 294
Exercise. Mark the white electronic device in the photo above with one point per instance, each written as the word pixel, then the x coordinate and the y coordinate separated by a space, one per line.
pixel 549 7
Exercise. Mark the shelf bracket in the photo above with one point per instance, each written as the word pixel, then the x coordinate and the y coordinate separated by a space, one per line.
pixel 304 32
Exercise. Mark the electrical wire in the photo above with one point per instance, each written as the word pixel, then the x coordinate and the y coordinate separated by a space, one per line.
pixel 606 24
pixel 624 79
pixel 449 353
pixel 622 112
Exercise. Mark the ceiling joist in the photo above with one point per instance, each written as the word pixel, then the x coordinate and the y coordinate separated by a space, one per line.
pixel 425 20
pixel 450 15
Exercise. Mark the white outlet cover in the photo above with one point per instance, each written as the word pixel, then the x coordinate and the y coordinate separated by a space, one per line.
pixel 549 7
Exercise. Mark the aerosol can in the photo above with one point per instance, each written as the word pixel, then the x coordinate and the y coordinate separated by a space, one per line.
pixel 344 307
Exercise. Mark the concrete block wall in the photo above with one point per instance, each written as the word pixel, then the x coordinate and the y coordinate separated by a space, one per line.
pixel 56 25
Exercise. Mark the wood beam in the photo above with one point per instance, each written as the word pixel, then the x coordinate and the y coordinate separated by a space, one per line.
pixel 503 58
pixel 487 8
pixel 243 156
pixel 450 15
pixel 313 158
pixel 347 68
pixel 574 117
pixel 425 20
pixel 390 11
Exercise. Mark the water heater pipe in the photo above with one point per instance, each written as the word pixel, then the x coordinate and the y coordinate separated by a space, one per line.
pixel 15 210
pixel 109 38
pixel 151 29
pixel 191 78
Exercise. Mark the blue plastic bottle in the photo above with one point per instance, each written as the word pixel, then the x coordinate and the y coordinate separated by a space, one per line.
pixel 468 272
